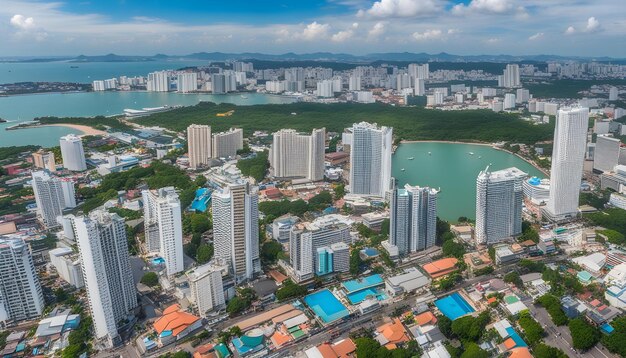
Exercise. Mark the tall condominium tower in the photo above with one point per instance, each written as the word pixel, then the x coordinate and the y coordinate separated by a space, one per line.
pixel 499 198
pixel 103 249
pixel 52 195
pixel 73 153
pixel 296 155
pixel 162 219
pixel 370 159
pixel 236 228
pixel 226 144
pixel 510 77
pixel 207 291
pixel 199 144
pixel 44 160
pixel 21 297
pixel 158 81
pixel 413 218
pixel 568 155
pixel 306 238
pixel 187 82
pixel 606 154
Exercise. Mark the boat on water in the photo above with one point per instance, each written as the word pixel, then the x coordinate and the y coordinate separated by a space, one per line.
pixel 471 153
pixel 411 158
pixel 402 169
pixel 244 97
pixel 480 157
pixel 430 153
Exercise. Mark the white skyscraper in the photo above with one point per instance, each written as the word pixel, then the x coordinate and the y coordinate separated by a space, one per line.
pixel 207 291
pixel 370 159
pixel 52 195
pixel 295 155
pixel 158 82
pixel 613 93
pixel 162 214
pixel 509 101
pixel 73 153
pixel 354 83
pixel 306 238
pixel 413 218
pixel 187 82
pixel 103 249
pixel 419 89
pixel 499 197
pixel 325 88
pixel 510 77
pixel 418 71
pixel 236 228
pixel 21 297
pixel 522 95
pixel 226 144
pixel 568 155
pixel 199 145
pixel 606 154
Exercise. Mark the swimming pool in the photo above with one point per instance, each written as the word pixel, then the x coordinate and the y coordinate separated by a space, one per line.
pixel 360 296
pixel 453 306
pixel 519 342
pixel 326 306
pixel 362 283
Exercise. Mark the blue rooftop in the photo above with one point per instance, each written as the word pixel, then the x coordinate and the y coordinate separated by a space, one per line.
pixel 534 181
pixel 519 342
pixel 362 283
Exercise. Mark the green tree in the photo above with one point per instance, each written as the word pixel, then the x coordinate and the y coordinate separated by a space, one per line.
pixel 514 278
pixel 584 335
pixel 553 306
pixel 385 227
pixel 368 347
pixel 321 201
pixel 442 228
pixel 471 328
pixel 615 342
pixel 290 290
pixel 199 223
pixel 339 190
pixel 532 330
pixel 235 305
pixel 355 262
pixel 204 253
pixel 200 181
pixel 472 350
pixel 270 250
pixel 150 279
pixel 542 350
pixel 445 326
pixel 451 248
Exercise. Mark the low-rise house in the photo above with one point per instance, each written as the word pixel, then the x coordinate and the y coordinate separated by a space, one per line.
pixel 175 324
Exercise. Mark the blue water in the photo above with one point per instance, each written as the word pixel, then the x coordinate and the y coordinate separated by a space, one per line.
pixel 326 306
pixel 453 306
pixel 203 197
pixel 519 342
pixel 362 283
pixel 359 296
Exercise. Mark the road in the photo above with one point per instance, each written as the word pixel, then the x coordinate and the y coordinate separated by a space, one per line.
pixel 559 336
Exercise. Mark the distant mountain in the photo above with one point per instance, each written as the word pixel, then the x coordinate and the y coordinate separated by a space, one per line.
pixel 326 57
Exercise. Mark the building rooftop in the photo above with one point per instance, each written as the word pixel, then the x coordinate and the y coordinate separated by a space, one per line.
pixel 440 267
pixel 174 320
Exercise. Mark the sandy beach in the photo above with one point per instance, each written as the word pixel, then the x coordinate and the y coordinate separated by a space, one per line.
pixel 85 129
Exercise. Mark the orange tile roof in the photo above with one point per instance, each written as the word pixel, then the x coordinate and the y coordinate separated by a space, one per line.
pixel 492 299
pixel 326 350
pixel 425 318
pixel 277 276
pixel 595 303
pixel 391 346
pixel 440 267
pixel 279 339
pixel 394 331
pixel 174 320
pixel 205 351
pixel 344 348
pixel 520 352
pixel 509 343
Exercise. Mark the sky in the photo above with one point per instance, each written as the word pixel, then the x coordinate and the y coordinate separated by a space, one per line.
pixel 588 28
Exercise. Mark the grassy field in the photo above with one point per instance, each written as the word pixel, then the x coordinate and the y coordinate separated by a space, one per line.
pixel 409 123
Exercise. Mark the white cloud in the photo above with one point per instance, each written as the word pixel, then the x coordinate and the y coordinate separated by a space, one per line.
pixel 487 6
pixel 23 23
pixel 492 40
pixel 536 36
pixel 377 30
pixel 404 8
pixel 315 31
pixel 453 31
pixel 570 30
pixel 427 35
pixel 355 25
pixel 593 25
pixel 342 36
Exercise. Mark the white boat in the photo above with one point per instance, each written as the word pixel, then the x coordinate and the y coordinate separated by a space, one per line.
pixel 402 169
pixel 480 157
pixel 411 158
pixel 244 97
pixel 430 153
pixel 471 153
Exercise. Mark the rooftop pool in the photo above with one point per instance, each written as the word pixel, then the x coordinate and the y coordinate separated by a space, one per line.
pixel 326 306
pixel 453 306
pixel 360 296
pixel 362 283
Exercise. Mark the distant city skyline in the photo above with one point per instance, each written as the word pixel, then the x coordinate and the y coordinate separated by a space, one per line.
pixel 468 27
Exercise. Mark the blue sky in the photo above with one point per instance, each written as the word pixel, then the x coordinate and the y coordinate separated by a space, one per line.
pixel 144 27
